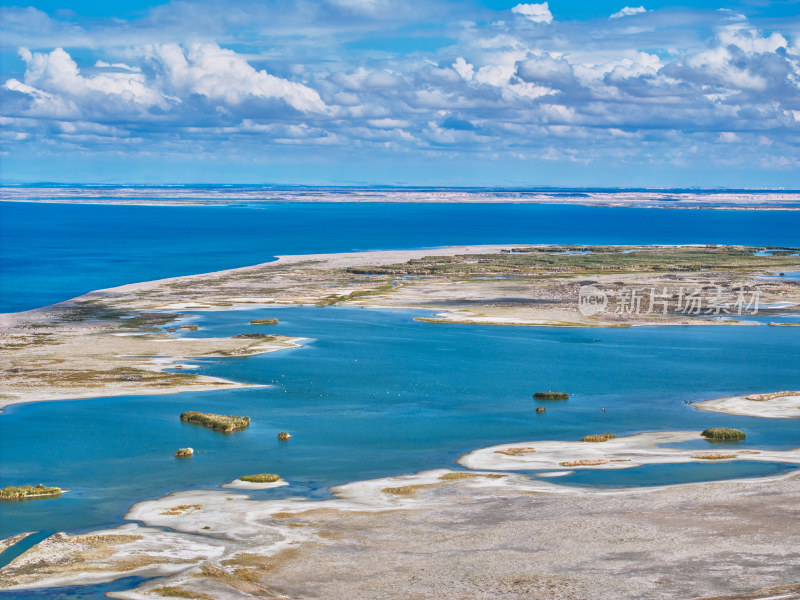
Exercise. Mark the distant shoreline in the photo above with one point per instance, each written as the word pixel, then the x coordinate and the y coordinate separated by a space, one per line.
pixel 255 195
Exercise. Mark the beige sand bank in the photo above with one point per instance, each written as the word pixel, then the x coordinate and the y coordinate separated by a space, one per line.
pixel 619 453
pixel 445 535
pixel 786 405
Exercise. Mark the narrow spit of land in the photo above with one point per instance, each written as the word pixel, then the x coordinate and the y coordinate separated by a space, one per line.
pixel 118 341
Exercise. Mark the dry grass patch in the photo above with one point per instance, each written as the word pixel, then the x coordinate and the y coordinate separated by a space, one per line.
pixel 516 451
pixel 284 515
pixel 713 456
pixel 104 540
pixel 169 591
pixel 182 509
pixel 459 475
pixel 600 437
pixel 407 490
pixel 585 462
pixel 770 396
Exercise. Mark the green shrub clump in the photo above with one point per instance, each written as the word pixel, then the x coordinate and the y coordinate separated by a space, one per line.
pixel 723 434
pixel 223 423
pixel 261 478
pixel 551 396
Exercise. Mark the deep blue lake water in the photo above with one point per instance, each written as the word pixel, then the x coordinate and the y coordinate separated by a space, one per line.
pixel 373 393
pixel 52 252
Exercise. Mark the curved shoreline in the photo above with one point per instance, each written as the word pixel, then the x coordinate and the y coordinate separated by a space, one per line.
pixel 222 529
pixel 619 453
pixel 194 539
pixel 544 291
pixel 785 406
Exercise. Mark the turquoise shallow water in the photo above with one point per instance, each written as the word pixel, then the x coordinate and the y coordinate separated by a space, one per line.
pixel 374 393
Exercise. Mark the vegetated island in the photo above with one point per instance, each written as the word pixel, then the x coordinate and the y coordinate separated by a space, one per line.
pixel 723 434
pixel 271 321
pixel 261 478
pixel 184 453
pixel 21 492
pixel 551 396
pixel 223 423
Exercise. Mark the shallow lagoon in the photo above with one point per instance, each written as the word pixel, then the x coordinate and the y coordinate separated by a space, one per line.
pixel 375 393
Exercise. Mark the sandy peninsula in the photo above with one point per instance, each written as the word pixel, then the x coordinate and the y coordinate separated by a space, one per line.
pixel 772 405
pixel 130 339
pixel 618 453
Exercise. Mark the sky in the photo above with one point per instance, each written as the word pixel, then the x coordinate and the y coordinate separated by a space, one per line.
pixel 387 92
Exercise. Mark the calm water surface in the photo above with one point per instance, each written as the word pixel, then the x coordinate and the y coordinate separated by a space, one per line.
pixel 375 393
pixel 52 252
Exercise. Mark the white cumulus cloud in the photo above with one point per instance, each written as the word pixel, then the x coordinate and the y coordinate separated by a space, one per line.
pixel 628 11
pixel 222 75
pixel 538 13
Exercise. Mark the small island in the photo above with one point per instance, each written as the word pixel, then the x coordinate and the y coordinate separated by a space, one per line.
pixel 223 423
pixel 184 453
pixel 723 434
pixel 21 492
pixel 270 321
pixel 551 396
pixel 261 478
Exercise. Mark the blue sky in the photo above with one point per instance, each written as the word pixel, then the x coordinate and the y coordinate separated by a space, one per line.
pixel 422 92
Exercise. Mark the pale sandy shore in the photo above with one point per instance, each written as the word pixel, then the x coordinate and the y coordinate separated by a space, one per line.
pixel 87 347
pixel 619 453
pixel 482 533
pixel 443 534
pixel 238 484
pixel 10 541
pixel 188 196
pixel 783 406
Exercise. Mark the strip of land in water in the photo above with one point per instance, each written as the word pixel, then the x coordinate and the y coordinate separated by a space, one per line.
pixel 117 341
pixel 193 196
